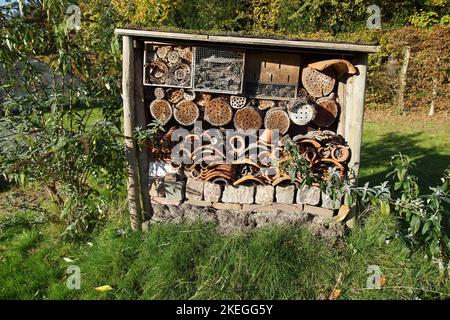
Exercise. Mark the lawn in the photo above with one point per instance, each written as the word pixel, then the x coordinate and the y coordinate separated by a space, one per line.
pixel 198 262
pixel 426 141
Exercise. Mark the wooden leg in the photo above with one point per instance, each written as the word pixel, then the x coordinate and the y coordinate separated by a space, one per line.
pixel 133 189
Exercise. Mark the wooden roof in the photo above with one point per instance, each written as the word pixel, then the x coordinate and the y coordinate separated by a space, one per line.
pixel 250 41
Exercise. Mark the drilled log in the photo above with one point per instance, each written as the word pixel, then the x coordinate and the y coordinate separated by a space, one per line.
pixel 265 104
pixel 161 110
pixel 218 112
pixel 175 95
pixel 277 119
pixel 186 113
pixel 238 102
pixel 318 83
pixel 301 112
pixel 326 112
pixel 248 120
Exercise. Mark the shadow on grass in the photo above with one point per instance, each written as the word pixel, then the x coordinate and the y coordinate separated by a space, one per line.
pixel 430 162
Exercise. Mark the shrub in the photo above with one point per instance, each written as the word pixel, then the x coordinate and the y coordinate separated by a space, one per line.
pixel 50 135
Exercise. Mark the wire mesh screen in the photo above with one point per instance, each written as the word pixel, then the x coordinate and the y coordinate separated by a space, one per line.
pixel 218 70
pixel 270 90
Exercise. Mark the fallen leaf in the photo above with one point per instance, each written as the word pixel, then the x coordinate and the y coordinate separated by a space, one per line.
pixel 382 281
pixel 335 294
pixel 105 288
pixel 68 260
pixel 342 213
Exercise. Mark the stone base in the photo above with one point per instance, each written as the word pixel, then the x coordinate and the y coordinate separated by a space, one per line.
pixel 329 203
pixel 174 187
pixel 194 189
pixel 285 194
pixel 264 194
pixel 212 192
pixel 241 194
pixel 232 217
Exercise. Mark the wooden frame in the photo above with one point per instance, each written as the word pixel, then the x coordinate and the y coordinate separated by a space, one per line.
pixel 145 83
pixel 351 92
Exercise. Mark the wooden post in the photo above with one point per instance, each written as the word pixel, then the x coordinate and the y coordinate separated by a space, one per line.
pixel 355 99
pixel 141 121
pixel 355 114
pixel 342 103
pixel 128 85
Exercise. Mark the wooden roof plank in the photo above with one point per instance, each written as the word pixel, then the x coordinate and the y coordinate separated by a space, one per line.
pixel 239 40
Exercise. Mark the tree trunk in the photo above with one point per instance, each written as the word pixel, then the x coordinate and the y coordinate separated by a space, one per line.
pixel 434 94
pixel 402 87
pixel 431 111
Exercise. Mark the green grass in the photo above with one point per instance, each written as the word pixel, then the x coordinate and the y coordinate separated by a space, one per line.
pixel 197 262
pixel 426 142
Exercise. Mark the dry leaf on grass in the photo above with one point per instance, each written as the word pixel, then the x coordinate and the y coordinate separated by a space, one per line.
pixel 68 260
pixel 382 281
pixel 105 288
pixel 342 213
pixel 335 294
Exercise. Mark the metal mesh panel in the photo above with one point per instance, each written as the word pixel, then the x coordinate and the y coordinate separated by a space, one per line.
pixel 270 90
pixel 218 70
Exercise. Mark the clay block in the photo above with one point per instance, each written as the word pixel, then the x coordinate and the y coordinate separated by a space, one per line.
pixel 194 189
pixel 198 203
pixel 212 192
pixel 329 203
pixel 156 187
pixel 285 194
pixel 241 194
pixel 257 207
pixel 261 219
pixel 308 195
pixel 325 213
pixel 174 188
pixel 264 194
pixel 227 206
pixel 165 201
pixel 283 207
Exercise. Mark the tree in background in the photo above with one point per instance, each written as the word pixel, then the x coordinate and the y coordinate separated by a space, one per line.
pixel 48 134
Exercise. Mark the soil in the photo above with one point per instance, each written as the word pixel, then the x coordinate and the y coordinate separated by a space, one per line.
pixel 410 117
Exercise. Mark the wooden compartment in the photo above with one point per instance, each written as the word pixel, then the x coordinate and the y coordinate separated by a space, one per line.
pixel 167 65
pixel 272 75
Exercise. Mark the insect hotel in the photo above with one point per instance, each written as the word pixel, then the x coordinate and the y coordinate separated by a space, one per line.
pixel 231 116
